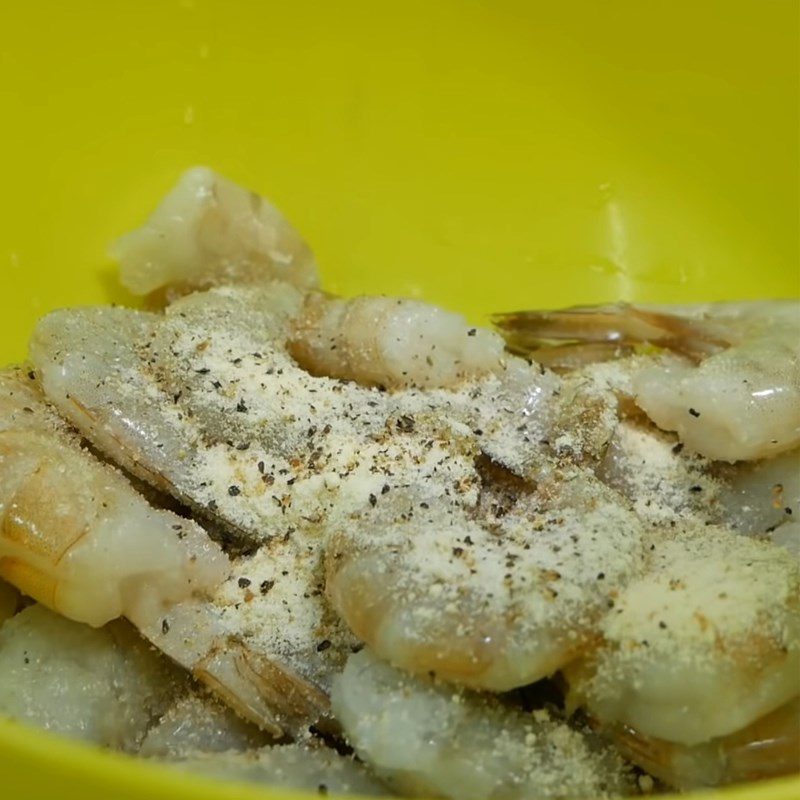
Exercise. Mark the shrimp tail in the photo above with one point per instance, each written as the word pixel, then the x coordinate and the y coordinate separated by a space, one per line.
pixel 606 329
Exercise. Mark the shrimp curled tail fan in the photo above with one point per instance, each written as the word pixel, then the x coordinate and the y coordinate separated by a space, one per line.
pixel 618 325
pixel 768 748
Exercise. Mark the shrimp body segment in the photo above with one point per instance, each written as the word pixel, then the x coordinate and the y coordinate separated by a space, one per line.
pixel 100 685
pixel 427 739
pixel 66 519
pixel 208 231
pixel 703 645
pixel 392 342
pixel 493 598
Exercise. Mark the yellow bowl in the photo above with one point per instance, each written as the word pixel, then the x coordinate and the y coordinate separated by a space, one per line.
pixel 482 155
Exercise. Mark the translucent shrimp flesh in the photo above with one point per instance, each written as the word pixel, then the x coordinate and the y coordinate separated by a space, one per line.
pixel 668 484
pixel 427 739
pixel 66 520
pixel 739 401
pixel 760 497
pixel 101 685
pixel 209 231
pixel 703 645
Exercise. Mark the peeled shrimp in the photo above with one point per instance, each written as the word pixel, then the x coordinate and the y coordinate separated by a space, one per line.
pixel 665 483
pixel 295 766
pixel 100 685
pixel 427 739
pixel 767 748
pixel 740 401
pixel 703 645
pixel 496 598
pixel 208 231
pixel 75 535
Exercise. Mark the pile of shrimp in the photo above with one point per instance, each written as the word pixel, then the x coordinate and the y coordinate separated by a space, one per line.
pixel 267 534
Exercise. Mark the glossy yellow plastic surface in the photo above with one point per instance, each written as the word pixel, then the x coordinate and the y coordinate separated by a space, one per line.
pixel 485 155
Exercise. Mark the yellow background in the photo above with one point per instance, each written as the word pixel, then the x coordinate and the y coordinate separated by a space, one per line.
pixel 485 155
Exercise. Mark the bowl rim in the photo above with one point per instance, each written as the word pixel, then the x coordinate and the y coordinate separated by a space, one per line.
pixel 105 768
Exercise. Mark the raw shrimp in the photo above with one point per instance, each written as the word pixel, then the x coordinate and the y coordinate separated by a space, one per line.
pixel 391 342
pixel 767 748
pixel 101 685
pixel 496 598
pixel 740 402
pixel 218 413
pixel 427 739
pixel 295 766
pixel 707 642
pixel 75 535
pixel 209 231
pixel 149 391
pixel 267 640
pixel 198 723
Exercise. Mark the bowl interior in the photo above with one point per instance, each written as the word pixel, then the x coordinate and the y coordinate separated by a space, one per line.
pixel 486 156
